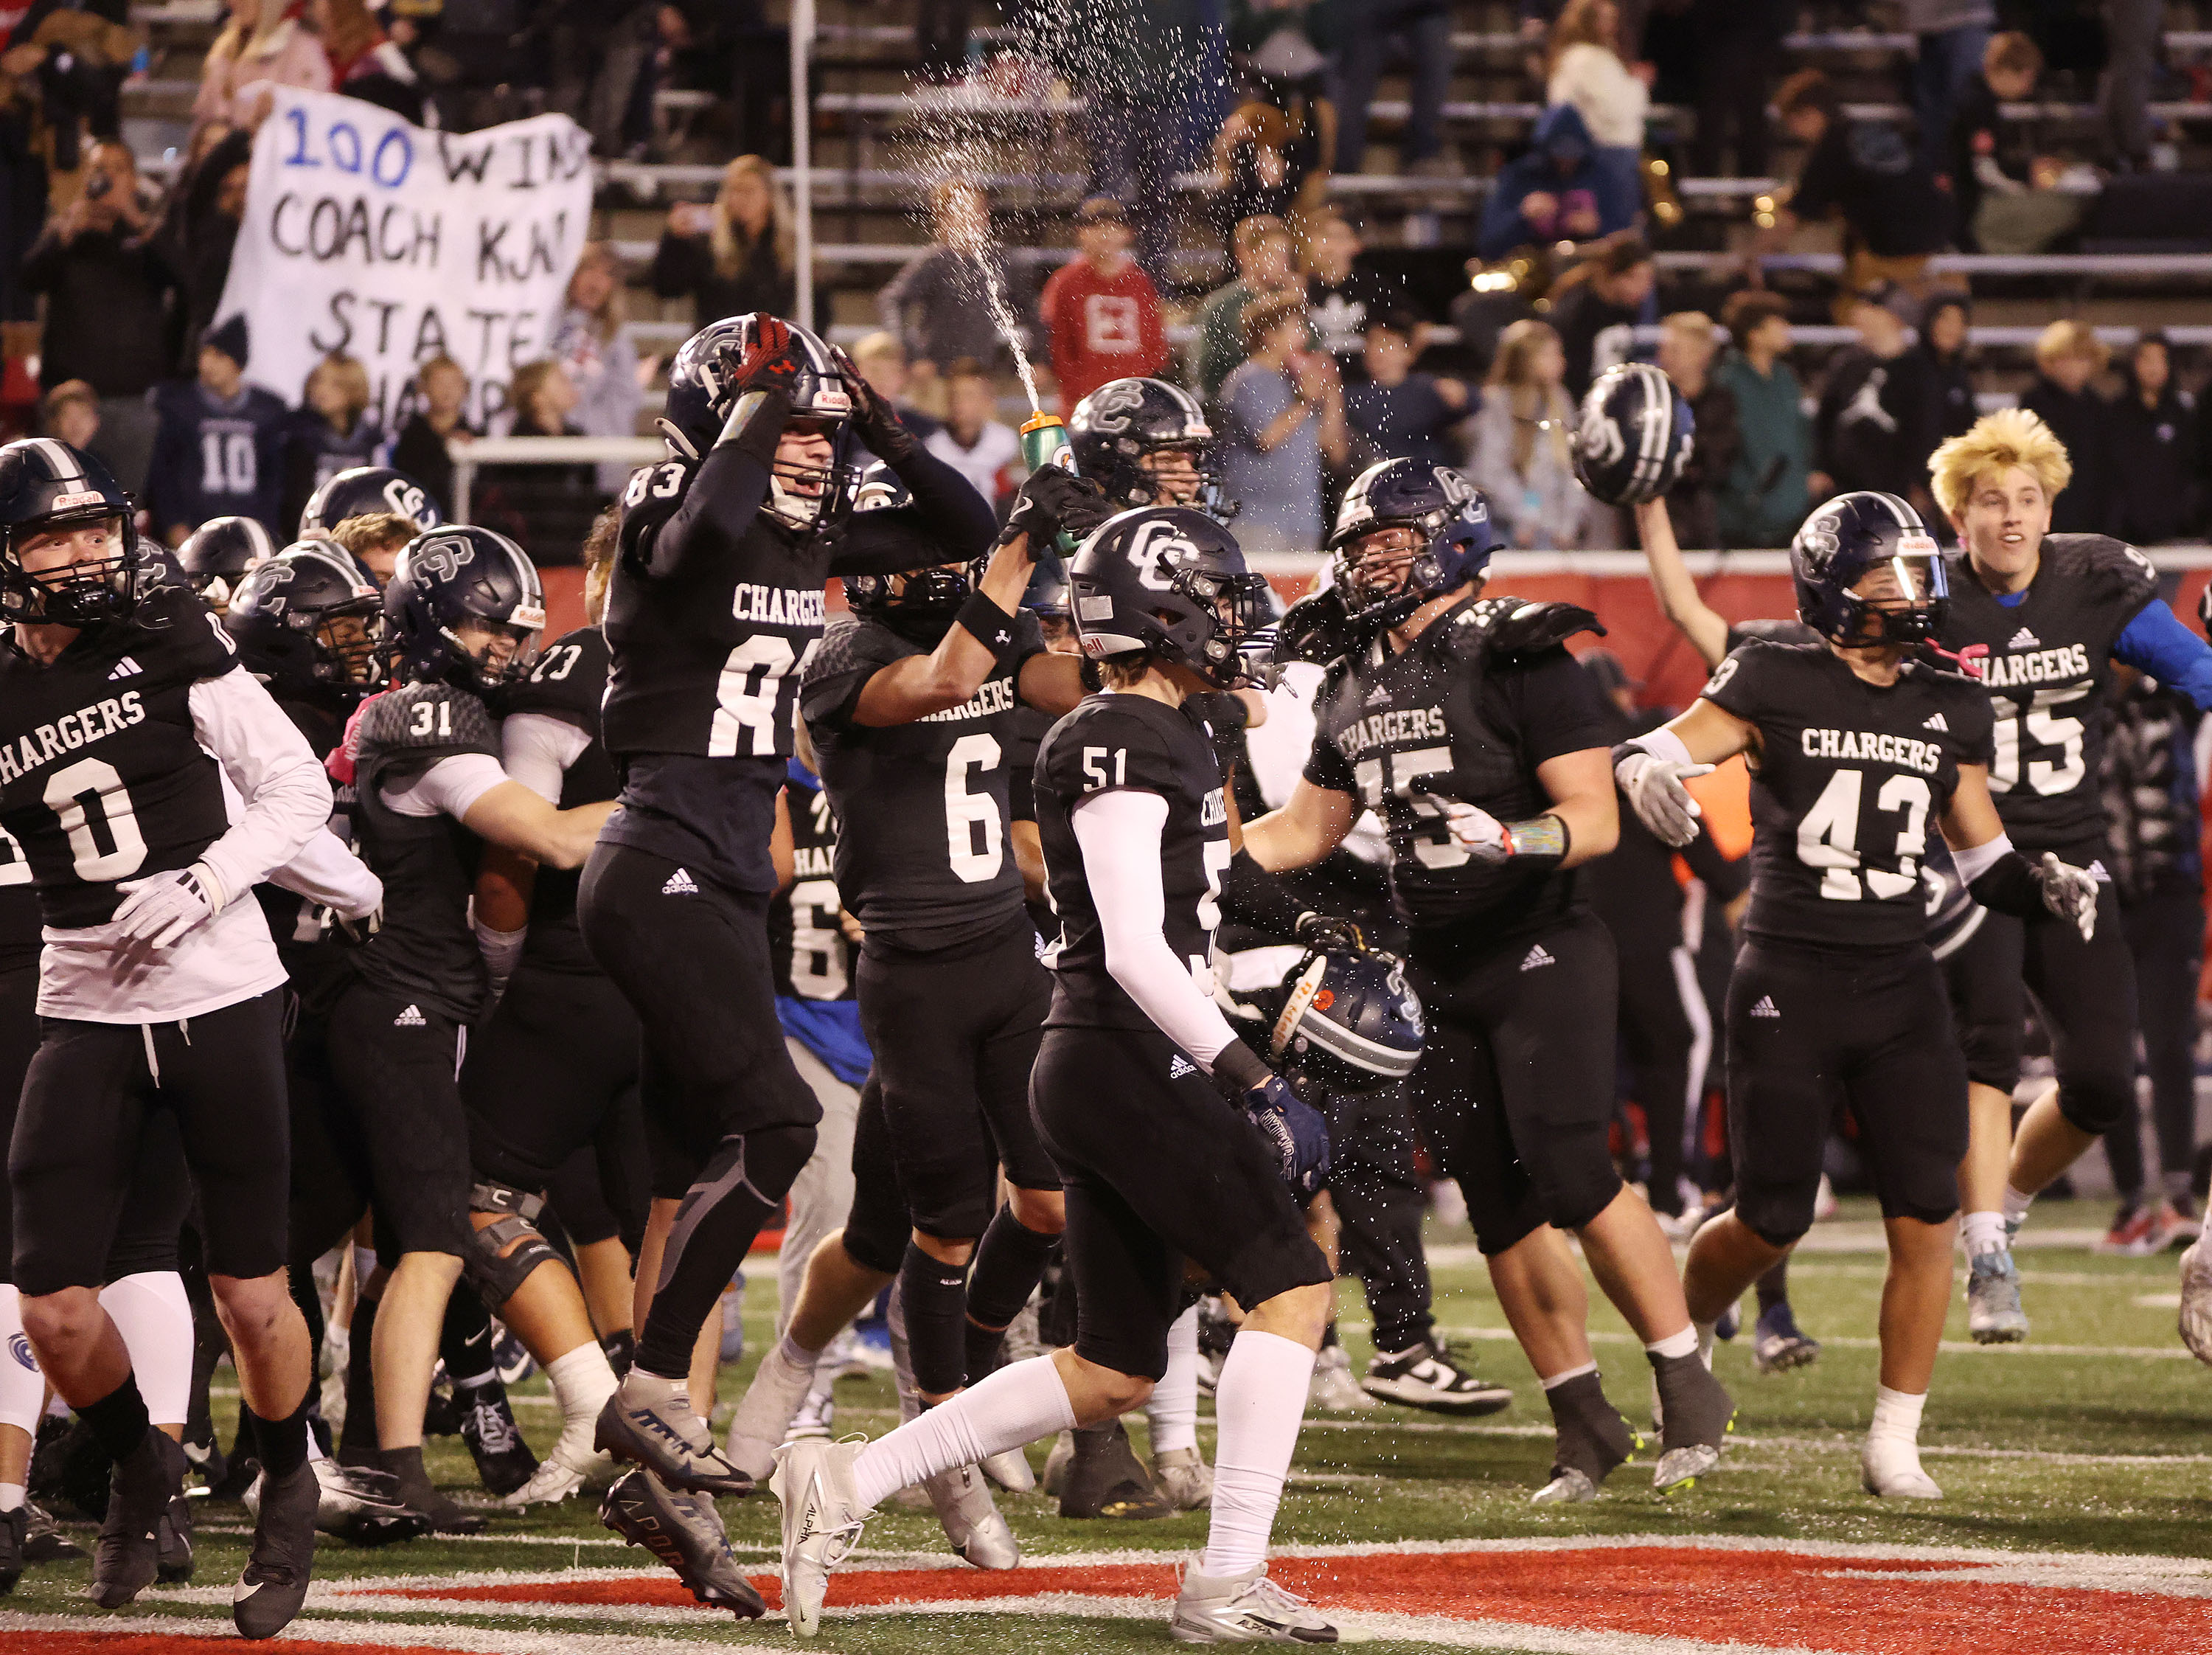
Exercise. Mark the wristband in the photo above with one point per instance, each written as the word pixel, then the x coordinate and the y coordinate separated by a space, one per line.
pixel 1539 841
pixel 990 626
pixel 1237 1068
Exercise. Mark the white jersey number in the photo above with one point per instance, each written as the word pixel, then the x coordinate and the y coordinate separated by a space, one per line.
pixel 88 800
pixel 974 837
pixel 1406 768
pixel 1828 836
pixel 818 943
pixel 2046 730
pixel 746 699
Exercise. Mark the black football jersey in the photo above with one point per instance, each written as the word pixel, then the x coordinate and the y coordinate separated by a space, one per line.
pixel 1851 781
pixel 20 923
pixel 1444 720
pixel 2050 657
pixel 1111 741
pixel 922 857
pixel 426 948
pixel 102 776
pixel 567 684
pixel 811 955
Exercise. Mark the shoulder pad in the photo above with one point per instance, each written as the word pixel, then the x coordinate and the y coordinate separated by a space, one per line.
pixel 848 642
pixel 2104 559
pixel 1770 631
pixel 435 719
pixel 182 634
pixel 567 682
pixel 1513 626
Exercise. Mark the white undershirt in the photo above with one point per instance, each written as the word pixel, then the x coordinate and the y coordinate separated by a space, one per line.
pixel 450 786
pixel 538 749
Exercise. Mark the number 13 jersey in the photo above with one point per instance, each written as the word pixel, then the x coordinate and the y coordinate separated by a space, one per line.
pixel 1850 780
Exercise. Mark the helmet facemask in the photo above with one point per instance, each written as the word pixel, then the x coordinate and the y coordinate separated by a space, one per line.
pixel 85 591
pixel 920 604
pixel 806 493
pixel 350 642
pixel 475 663
pixel 1911 591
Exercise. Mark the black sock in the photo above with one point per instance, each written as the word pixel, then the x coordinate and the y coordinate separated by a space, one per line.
pixel 1010 1261
pixel 283 1443
pixel 208 1346
pixel 118 1420
pixel 934 1297
pixel 1773 1287
pixel 413 1477
pixel 465 1342
pixel 357 1440
pixel 741 1187
pixel 621 1347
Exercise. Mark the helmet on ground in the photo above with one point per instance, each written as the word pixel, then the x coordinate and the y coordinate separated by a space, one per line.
pixel 1855 535
pixel 1632 435
pixel 1452 537
pixel 444 581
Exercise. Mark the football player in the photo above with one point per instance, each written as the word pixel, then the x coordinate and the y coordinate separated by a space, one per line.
pixel 373 511
pixel 1466 726
pixel 123 712
pixel 463 610
pixel 715 606
pixel 216 556
pixel 1136 1094
pixel 1146 442
pixel 1856 747
pixel 2046 616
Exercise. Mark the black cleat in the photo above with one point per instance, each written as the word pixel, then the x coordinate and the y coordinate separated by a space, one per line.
pixel 504 1462
pixel 176 1531
pixel 128 1555
pixel 413 1482
pixel 14 1525
pixel 43 1539
pixel 685 1532
pixel 1106 1478
pixel 664 1440
pixel 1593 1441
pixel 283 1555
pixel 1696 1415
pixel 442 1411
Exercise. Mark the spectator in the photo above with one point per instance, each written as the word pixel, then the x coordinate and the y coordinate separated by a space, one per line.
pixel 70 413
pixel 71 60
pixel 364 62
pixel 936 303
pixel 601 360
pixel 1397 413
pixel 1139 65
pixel 1737 44
pixel 1101 313
pixel 1764 495
pixel 107 285
pixel 1598 315
pixel 547 509
pixel 979 447
pixel 219 451
pixel 443 392
pixel 1342 293
pixel 1939 401
pixel 2131 34
pixel 1863 425
pixel 1558 190
pixel 1262 249
pixel 1949 37
pixel 1521 458
pixel 1864 172
pixel 882 361
pixel 201 234
pixel 1271 157
pixel 2007 199
pixel 1421 29
pixel 2068 356
pixel 264 45
pixel 1584 68
pixel 735 256
pixel 1686 357
pixel 1284 416
pixel 2154 449
pixel 333 431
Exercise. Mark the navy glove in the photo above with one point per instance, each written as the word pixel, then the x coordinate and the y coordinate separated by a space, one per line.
pixel 1294 1130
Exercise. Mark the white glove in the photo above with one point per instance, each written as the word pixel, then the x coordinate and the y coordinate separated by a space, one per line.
pixel 1476 832
pixel 1655 794
pixel 157 911
pixel 2070 892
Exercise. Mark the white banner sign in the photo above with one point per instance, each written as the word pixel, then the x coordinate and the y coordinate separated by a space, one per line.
pixel 395 244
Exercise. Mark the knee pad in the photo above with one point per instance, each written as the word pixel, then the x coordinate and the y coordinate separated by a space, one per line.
pixel 2096 1103
pixel 496 1272
pixel 1779 1218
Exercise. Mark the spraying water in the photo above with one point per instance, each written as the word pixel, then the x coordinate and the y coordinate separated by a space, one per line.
pixel 1002 314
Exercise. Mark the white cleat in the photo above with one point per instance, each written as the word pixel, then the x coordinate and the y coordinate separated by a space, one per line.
pixel 1332 1389
pixel 1568 1486
pixel 2196 1317
pixel 764 1413
pixel 1889 1469
pixel 821 1522
pixel 1183 1475
pixel 1010 1468
pixel 1244 1609
pixel 1994 1315
pixel 972 1523
pixel 569 1469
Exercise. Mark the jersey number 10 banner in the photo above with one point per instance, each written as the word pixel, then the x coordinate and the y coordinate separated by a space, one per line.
pixel 394 244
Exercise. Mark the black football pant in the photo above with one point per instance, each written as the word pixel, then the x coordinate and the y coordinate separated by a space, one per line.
pixel 2165 935
pixel 1377 1191
pixel 1656 1032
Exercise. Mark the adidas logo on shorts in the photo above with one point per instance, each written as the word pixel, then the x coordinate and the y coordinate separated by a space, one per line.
pixel 1937 722
pixel 680 883
pixel 2024 639
pixel 125 668
pixel 1179 1065
pixel 1765 1007
pixel 1536 956
pixel 412 1018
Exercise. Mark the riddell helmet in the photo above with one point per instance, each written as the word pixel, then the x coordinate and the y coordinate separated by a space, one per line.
pixel 1170 581
pixel 46 484
pixel 1116 426
pixel 289 618
pixel 453 575
pixel 1451 514
pixel 221 552
pixel 362 491
pixel 1844 541
pixel 1352 1022
pixel 702 391
pixel 1633 435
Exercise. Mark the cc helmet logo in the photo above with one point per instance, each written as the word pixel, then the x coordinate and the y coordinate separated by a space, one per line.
pixel 406 499
pixel 1603 443
pixel 1157 550
pixel 1457 490
pixel 1820 538
pixel 1112 405
pixel 442 559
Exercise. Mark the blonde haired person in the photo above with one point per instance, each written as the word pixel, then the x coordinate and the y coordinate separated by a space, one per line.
pixel 2069 357
pixel 1521 459
pixel 734 256
pixel 2046 615
pixel 602 364
pixel 263 45
pixel 334 428
pixel 1584 67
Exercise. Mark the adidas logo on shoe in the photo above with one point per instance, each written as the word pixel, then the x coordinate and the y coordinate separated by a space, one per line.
pixel 1179 1065
pixel 412 1018
pixel 125 668
pixel 1765 1007
pixel 1536 956
pixel 1937 722
pixel 680 883
pixel 2024 639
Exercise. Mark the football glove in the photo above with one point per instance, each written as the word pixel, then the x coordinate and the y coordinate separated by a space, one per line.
pixel 1295 1131
pixel 2070 892
pixel 771 361
pixel 157 911
pixel 873 417
pixel 1054 500
pixel 1655 794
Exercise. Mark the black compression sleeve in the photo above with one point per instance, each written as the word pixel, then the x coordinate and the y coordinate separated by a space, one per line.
pixel 948 522
pixel 1252 896
pixel 2009 886
pixel 1237 1067
pixel 726 494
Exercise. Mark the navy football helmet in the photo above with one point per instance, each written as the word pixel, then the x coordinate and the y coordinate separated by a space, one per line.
pixel 220 553
pixel 308 623
pixel 451 576
pixel 1850 537
pixel 1454 538
pixel 1633 435
pixel 703 389
pixel 1125 421
pixel 364 491
pixel 1351 1022
pixel 1170 581
pixel 48 485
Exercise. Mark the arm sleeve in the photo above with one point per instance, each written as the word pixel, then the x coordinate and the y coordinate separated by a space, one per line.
pixel 949 521
pixel 286 797
pixel 726 494
pixel 451 786
pixel 1327 767
pixel 535 749
pixel 326 872
pixel 2156 643
pixel 1119 833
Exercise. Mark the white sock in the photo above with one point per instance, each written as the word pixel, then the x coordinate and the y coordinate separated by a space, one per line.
pixel 1982 1232
pixel 1015 1406
pixel 778 1390
pixel 315 1448
pixel 1897 1413
pixel 1258 1405
pixel 154 1317
pixel 2015 1206
pixel 582 1381
pixel 1173 1409
pixel 1554 1381
pixel 12 1496
pixel 1684 1343
pixel 22 1387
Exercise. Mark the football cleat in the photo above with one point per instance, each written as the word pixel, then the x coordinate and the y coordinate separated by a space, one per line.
pixel 1105 1478
pixel 14 1525
pixel 43 1539
pixel 1425 1375
pixel 1332 1390
pixel 563 1472
pixel 126 1557
pixel 176 1548
pixel 1010 1468
pixel 1994 1315
pixel 971 1520
pixel 1889 1469
pixel 1777 1345
pixel 1184 1478
pixel 1696 1417
pixel 357 1503
pixel 823 1518
pixel 2195 1317
pixel 1592 1441
pixel 669 1440
pixel 685 1532
pixel 817 1416
pixel 504 1462
pixel 777 1396
pixel 283 1554
pixel 1243 1609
